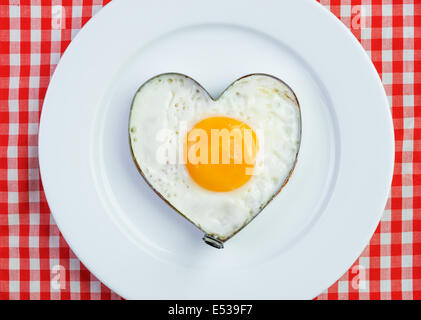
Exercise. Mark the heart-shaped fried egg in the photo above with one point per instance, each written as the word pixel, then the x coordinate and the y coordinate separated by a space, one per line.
pixel 217 162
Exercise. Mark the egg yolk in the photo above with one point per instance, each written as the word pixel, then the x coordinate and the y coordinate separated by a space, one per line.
pixel 221 153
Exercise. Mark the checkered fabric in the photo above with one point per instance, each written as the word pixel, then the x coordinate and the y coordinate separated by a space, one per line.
pixel 37 263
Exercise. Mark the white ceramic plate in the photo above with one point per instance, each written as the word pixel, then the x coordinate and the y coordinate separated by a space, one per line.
pixel 128 237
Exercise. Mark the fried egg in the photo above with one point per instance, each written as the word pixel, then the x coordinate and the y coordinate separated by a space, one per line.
pixel 217 162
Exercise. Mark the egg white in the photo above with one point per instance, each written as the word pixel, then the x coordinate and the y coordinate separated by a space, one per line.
pixel 168 103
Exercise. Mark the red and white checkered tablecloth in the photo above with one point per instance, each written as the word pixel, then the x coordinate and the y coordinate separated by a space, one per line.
pixel 36 262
